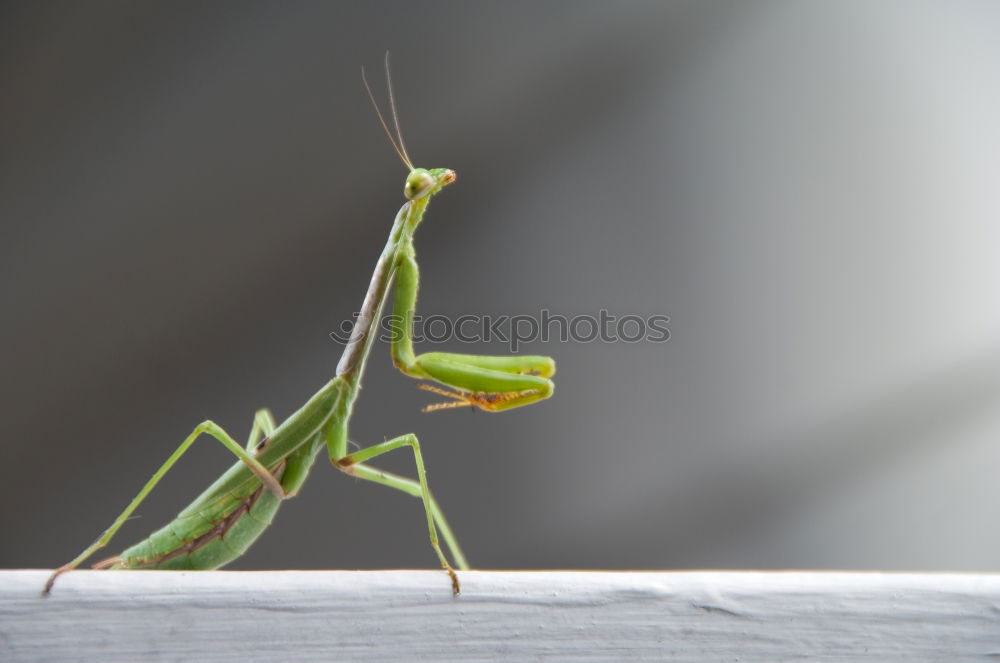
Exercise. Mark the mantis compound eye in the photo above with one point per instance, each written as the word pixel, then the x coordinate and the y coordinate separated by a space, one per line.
pixel 418 184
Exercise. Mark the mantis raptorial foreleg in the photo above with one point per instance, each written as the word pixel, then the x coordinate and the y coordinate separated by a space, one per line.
pixel 353 464
pixel 208 427
pixel 492 383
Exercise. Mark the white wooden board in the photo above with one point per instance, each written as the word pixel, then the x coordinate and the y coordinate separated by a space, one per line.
pixel 522 616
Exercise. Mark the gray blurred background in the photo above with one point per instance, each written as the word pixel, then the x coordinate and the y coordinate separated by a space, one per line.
pixel 192 196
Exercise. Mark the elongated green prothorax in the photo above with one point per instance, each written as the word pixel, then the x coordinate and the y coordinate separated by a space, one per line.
pixel 222 522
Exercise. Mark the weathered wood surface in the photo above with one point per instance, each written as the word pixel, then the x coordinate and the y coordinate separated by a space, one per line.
pixel 551 616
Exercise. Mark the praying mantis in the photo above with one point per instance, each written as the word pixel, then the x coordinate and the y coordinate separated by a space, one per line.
pixel 222 522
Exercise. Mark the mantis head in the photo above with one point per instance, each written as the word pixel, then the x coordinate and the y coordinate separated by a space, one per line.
pixel 422 182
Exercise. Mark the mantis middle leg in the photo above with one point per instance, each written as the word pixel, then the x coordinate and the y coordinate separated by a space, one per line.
pixel 353 464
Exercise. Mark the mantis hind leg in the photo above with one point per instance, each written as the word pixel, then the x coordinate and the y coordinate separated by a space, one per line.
pixel 261 423
pixel 353 464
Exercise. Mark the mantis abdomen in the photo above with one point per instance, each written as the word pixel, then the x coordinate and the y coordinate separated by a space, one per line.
pixel 198 542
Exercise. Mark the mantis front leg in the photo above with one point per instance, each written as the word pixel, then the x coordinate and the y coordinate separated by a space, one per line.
pixel 491 383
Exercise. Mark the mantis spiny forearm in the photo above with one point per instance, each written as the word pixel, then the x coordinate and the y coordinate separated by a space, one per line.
pixel 221 523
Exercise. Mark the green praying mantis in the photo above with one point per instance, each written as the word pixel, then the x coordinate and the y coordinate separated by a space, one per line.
pixel 222 522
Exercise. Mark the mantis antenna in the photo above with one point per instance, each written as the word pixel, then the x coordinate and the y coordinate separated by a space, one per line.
pixel 395 112
pixel 399 146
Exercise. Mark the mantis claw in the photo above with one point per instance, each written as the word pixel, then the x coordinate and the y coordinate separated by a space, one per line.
pixel 483 400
